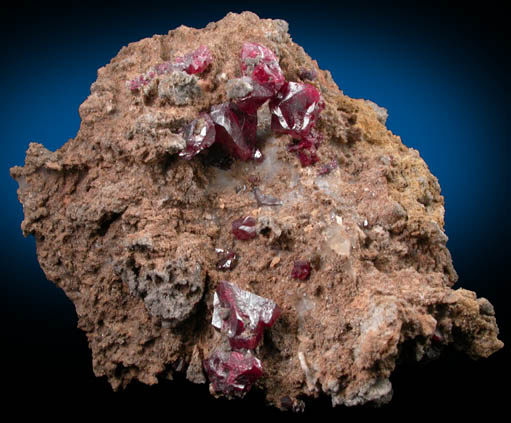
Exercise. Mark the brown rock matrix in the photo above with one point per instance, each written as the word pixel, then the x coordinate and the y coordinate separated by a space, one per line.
pixel 139 238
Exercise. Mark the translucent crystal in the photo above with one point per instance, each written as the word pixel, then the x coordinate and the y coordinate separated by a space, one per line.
pixel 242 315
pixel 235 130
pixel 262 66
pixel 266 200
pixel 244 228
pixel 199 134
pixel 295 109
pixel 232 373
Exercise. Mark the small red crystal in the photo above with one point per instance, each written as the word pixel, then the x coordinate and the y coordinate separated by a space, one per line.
pixel 242 315
pixel 301 269
pixel 262 65
pixel 295 109
pixel 232 373
pixel 199 135
pixel 244 228
pixel 228 259
pixel 196 61
pixel 235 131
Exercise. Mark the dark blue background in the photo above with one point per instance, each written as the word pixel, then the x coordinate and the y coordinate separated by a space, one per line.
pixel 443 75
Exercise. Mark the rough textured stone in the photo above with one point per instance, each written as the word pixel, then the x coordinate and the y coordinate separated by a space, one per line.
pixel 128 229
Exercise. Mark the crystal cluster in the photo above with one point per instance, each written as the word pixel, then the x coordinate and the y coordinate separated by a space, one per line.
pixel 295 106
pixel 196 61
pixel 242 316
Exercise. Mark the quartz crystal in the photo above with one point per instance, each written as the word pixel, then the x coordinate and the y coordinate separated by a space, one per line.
pixel 301 269
pixel 244 228
pixel 266 200
pixel 242 315
pixel 295 109
pixel 199 134
pixel 232 373
pixel 262 66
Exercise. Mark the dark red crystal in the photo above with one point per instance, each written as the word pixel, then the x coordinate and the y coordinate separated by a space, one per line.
pixel 262 66
pixel 227 259
pixel 301 269
pixel 199 135
pixel 244 228
pixel 232 373
pixel 242 315
pixel 235 130
pixel 295 109
pixel 196 61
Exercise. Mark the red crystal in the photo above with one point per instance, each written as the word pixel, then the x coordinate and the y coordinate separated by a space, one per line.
pixel 199 134
pixel 232 373
pixel 262 66
pixel 235 130
pixel 242 315
pixel 259 94
pixel 196 61
pixel 244 228
pixel 301 269
pixel 228 259
pixel 295 109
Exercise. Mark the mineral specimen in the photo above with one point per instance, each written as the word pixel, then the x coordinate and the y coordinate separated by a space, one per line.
pixel 127 215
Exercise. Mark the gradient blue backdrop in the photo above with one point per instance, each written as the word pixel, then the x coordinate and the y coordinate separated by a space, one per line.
pixel 442 75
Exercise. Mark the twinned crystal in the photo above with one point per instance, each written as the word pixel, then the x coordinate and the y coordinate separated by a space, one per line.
pixel 242 315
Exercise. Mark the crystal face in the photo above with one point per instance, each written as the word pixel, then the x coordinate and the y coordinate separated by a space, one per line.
pixel 232 373
pixel 242 315
pixel 301 269
pixel 295 109
pixel 244 228
pixel 262 66
pixel 235 130
pixel 199 134
pixel 255 99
